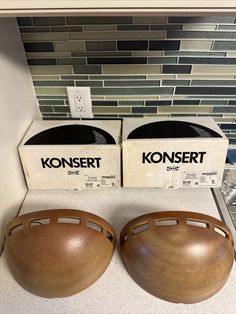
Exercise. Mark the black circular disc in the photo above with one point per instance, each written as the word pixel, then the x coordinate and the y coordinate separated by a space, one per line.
pixel 71 134
pixel 171 129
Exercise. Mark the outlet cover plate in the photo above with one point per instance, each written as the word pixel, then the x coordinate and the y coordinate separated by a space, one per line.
pixel 80 102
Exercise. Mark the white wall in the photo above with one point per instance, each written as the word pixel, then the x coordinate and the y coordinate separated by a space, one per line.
pixel 18 106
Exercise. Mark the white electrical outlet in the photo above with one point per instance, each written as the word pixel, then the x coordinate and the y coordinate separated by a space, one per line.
pixel 80 102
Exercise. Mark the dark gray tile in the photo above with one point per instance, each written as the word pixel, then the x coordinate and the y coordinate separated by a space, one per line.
pixel 176 69
pixel 232 103
pixel 71 61
pixel 64 109
pixel 89 83
pixel 205 91
pixel 158 103
pixel 54 83
pixel 74 77
pixel 133 27
pixel 162 60
pixel 39 47
pixel 144 109
pixel 224 60
pixel 201 34
pixel 119 60
pixel 45 109
pixel 25 21
pixel 224 45
pixel 160 45
pixel 224 109
pixel 67 29
pixel 228 126
pixel 132 83
pixel 132 45
pixel 93 20
pixel 35 29
pixel 118 77
pixel 101 54
pixel 50 61
pixel 100 45
pixel 194 53
pixel 103 103
pixel 132 91
pixel 49 21
pixel 87 69
pixel 175 82
pixel 166 26
pixel 184 102
pixel 213 82
pixel 214 102
pixel 201 19
pixel 131 103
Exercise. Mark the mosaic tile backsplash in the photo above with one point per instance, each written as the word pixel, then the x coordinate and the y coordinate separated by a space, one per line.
pixel 135 66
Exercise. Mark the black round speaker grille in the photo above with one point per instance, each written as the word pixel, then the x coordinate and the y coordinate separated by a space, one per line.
pixel 171 129
pixel 72 135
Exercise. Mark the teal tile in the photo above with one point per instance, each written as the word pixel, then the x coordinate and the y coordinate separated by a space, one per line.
pixel 71 61
pixel 74 77
pixel 118 77
pixel 67 29
pixel 101 54
pixel 132 91
pixel 62 109
pixel 46 109
pixel 55 116
pixel 87 69
pixel 89 83
pixel 51 102
pixel 175 82
pixel 54 83
pixel 132 83
pixel 51 97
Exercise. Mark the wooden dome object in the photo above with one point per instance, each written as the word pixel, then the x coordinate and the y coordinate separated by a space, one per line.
pixel 178 256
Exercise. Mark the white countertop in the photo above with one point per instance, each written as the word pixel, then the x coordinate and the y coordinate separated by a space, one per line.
pixel 115 292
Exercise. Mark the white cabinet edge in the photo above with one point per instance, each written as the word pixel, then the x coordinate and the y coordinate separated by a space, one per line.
pixel 109 7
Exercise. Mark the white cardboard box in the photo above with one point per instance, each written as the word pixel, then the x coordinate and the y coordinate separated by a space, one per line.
pixel 72 166
pixel 173 162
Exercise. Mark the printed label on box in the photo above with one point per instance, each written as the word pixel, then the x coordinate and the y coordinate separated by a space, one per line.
pixel 202 178
pixel 92 182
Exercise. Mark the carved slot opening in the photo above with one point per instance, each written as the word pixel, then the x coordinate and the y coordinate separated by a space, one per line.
pixel 166 222
pixel 68 220
pixel 125 237
pixel 197 223
pixel 93 225
pixel 221 232
pixel 110 236
pixel 16 229
pixel 140 228
pixel 39 222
